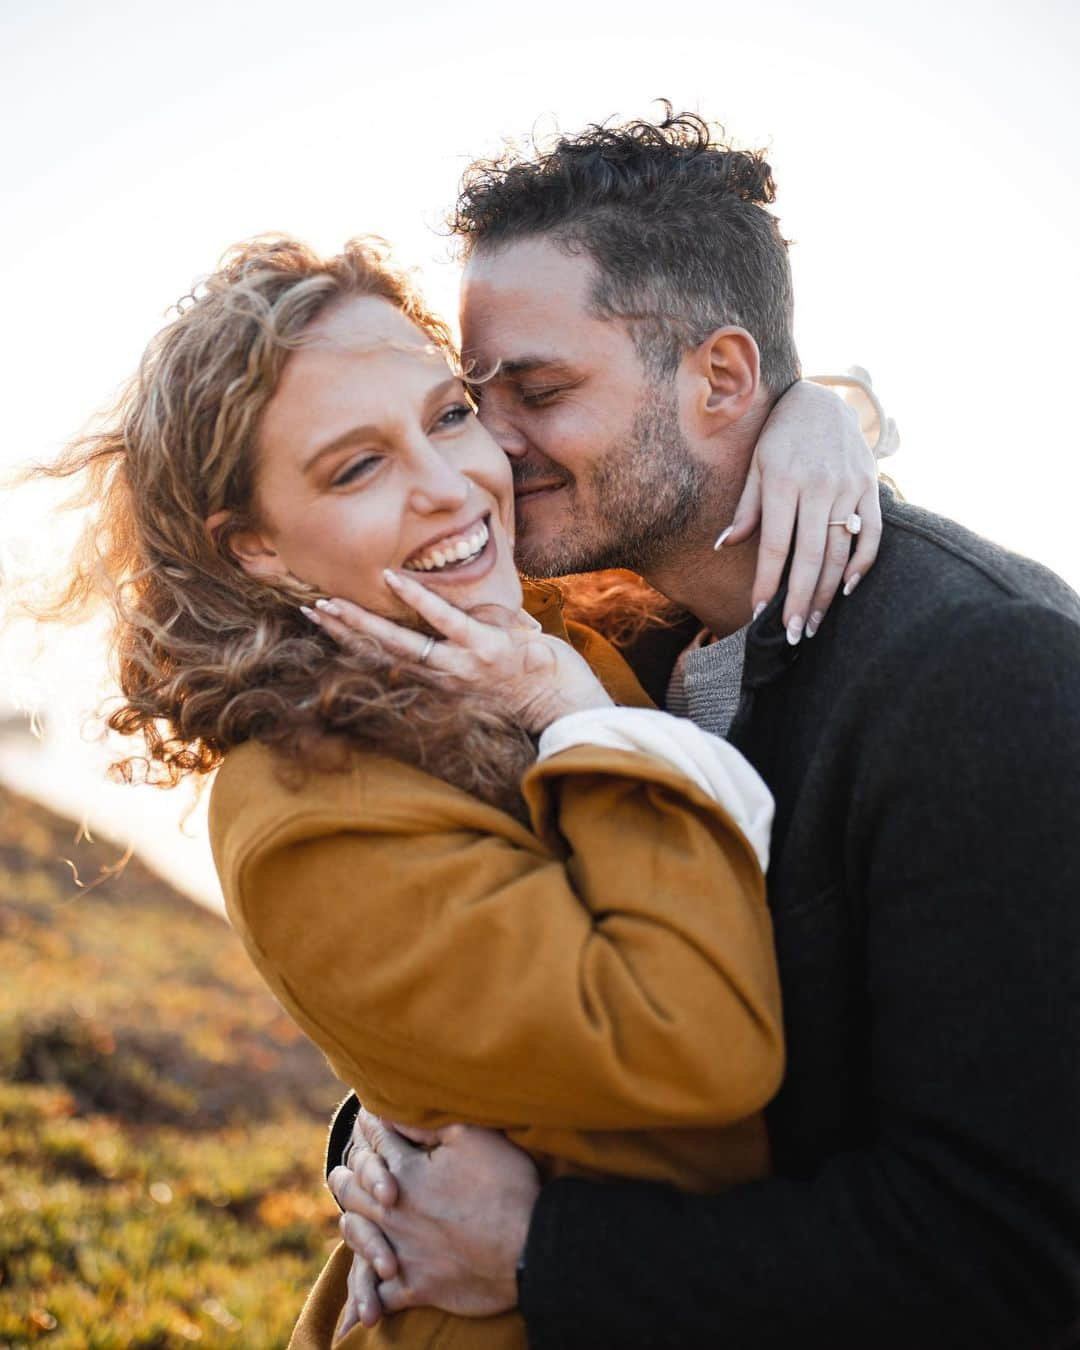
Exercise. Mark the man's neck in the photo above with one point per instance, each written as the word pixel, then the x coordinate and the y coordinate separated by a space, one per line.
pixel 716 587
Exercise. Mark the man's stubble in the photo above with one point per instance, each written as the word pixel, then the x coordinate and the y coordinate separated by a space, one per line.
pixel 644 497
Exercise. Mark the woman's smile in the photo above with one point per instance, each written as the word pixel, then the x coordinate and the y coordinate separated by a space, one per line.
pixel 467 553
pixel 370 457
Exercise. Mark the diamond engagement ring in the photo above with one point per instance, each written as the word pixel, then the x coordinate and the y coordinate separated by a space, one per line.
pixel 853 523
pixel 427 650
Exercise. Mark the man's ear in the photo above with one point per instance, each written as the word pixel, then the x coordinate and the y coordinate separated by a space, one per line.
pixel 727 372
pixel 246 545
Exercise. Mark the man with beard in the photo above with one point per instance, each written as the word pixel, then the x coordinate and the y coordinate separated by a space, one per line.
pixel 628 298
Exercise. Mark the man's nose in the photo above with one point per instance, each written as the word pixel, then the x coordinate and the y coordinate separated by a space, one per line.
pixel 510 440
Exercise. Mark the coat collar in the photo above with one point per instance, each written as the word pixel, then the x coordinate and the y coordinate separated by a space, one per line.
pixel 768 652
pixel 544 601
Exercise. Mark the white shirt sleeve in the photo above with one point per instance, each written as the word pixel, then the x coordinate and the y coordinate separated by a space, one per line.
pixel 712 764
pixel 857 389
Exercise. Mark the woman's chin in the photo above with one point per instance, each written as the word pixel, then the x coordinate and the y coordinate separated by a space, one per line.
pixel 489 579
pixel 501 591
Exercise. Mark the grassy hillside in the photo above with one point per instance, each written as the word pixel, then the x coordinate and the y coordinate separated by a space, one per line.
pixel 161 1122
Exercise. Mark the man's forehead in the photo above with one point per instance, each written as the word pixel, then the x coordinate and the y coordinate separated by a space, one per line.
pixel 526 306
pixel 529 266
pixel 532 276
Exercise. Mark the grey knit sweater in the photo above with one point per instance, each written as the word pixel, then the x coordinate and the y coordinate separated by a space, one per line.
pixel 706 683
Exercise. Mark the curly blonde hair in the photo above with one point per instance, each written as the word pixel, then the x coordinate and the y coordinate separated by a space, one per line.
pixel 206 656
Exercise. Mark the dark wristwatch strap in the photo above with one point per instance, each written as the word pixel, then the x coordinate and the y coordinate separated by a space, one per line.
pixel 519 1276
pixel 341 1128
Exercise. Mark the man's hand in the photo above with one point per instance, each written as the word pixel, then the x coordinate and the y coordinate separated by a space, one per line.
pixel 438 1221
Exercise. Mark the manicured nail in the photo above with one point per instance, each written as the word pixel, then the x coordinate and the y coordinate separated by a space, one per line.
pixel 721 537
pixel 330 607
pixel 391 577
pixel 795 630
pixel 309 614
pixel 382 1193
pixel 759 609
pixel 814 623
pixel 855 579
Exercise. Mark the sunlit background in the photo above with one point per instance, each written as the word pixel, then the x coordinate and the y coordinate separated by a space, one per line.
pixel 928 171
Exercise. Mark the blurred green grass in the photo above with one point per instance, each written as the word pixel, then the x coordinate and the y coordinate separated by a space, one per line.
pixel 162 1122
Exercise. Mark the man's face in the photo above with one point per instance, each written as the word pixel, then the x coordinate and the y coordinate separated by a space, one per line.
pixel 603 476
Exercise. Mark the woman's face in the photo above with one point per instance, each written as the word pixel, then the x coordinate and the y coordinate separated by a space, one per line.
pixel 369 456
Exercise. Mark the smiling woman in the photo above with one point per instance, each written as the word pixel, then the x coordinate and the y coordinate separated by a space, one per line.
pixel 370 457
pixel 208 461
pixel 484 889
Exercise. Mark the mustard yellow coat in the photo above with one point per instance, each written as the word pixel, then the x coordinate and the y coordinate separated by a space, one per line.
pixel 601 986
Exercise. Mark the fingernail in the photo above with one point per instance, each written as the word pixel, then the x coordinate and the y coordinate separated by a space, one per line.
pixel 390 576
pixel 382 1193
pixel 795 630
pixel 328 607
pixel 759 609
pixel 721 537
pixel 855 579
pixel 309 614
pixel 814 623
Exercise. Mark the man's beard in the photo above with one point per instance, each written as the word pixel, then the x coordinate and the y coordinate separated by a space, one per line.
pixel 642 495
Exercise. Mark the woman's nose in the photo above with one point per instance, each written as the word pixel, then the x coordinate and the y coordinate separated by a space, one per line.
pixel 438 485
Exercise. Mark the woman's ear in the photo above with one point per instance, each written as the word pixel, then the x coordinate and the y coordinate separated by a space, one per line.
pixel 728 366
pixel 247 546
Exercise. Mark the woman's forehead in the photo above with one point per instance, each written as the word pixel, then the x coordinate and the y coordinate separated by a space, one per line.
pixel 362 341
pixel 363 363
pixel 368 323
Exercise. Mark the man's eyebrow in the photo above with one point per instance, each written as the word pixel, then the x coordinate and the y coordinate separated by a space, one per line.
pixel 369 431
pixel 527 365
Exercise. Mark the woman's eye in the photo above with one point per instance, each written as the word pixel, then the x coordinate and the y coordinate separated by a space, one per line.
pixel 454 416
pixel 355 470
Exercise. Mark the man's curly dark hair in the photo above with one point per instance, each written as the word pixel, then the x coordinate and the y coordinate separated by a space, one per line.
pixel 674 220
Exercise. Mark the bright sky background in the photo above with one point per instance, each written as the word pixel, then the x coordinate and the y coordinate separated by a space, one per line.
pixel 926 155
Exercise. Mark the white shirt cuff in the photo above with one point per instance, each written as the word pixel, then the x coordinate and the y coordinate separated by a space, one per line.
pixel 710 763
pixel 857 390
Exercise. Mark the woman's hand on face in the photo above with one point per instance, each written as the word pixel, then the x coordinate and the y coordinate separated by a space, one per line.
pixel 811 466
pixel 537 677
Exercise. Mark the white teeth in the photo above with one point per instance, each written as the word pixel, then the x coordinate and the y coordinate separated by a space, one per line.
pixel 468 547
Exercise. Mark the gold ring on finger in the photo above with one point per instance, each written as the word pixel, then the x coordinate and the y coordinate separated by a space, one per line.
pixel 852 523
